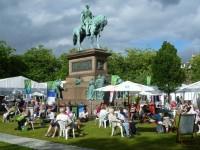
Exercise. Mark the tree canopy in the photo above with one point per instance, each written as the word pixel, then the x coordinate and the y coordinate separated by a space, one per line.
pixel 135 66
pixel 195 68
pixel 10 64
pixel 41 64
pixel 166 68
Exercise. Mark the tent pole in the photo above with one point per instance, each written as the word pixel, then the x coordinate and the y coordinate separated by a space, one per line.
pixel 91 107
pixel 128 107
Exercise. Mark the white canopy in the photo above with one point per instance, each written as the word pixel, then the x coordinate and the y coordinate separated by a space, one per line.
pixel 149 93
pixel 194 87
pixel 106 88
pixel 18 83
pixel 129 86
pixel 126 86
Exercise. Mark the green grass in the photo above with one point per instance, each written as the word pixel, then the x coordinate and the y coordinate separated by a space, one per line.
pixel 99 138
pixel 6 146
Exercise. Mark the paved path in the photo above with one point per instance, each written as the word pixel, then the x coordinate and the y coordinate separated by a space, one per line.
pixel 36 144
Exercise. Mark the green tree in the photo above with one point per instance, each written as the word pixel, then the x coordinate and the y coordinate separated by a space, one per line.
pixel 138 64
pixel 63 66
pixel 73 50
pixel 16 66
pixel 166 69
pixel 135 66
pixel 42 65
pixel 5 53
pixel 195 68
pixel 117 65
pixel 10 64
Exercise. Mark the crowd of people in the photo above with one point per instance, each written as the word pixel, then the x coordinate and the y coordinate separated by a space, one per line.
pixel 27 113
pixel 163 116
pixel 109 114
pixel 126 116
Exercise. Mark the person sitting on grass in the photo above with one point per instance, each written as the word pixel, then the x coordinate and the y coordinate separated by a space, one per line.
pixel 21 119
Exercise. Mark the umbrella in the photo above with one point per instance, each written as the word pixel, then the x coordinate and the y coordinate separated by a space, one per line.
pixel 128 86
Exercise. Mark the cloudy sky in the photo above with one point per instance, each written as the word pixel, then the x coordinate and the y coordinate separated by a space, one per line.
pixel 131 23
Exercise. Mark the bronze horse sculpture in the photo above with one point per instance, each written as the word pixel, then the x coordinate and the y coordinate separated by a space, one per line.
pixel 96 26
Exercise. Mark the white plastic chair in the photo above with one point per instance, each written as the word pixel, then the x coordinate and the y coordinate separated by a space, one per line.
pixel 117 124
pixel 62 125
pixel 65 128
pixel 68 128
pixel 103 120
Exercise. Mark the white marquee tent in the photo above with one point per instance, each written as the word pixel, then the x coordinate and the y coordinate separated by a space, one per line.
pixel 18 82
pixel 8 85
pixel 194 87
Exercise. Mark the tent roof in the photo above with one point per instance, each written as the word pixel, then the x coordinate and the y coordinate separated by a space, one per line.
pixel 194 87
pixel 131 86
pixel 18 82
pixel 106 88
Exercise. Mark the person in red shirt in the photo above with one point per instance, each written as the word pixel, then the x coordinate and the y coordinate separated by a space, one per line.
pixel 152 107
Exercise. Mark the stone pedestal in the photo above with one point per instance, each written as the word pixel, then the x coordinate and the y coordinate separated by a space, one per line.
pixel 84 66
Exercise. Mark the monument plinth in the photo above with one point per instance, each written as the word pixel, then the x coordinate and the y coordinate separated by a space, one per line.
pixel 88 62
pixel 87 68
pixel 83 66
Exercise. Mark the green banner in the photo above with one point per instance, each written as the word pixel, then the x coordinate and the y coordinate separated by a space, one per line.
pixel 148 80
pixel 114 79
pixel 51 89
pixel 51 85
pixel 27 86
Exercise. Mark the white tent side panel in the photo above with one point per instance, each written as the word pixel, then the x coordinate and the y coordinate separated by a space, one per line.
pixel 3 83
pixel 14 82
pixel 18 83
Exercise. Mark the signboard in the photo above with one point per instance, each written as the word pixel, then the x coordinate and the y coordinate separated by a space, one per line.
pixel 27 84
pixel 186 124
pixel 148 80
pixel 84 65
pixel 114 79
pixel 51 89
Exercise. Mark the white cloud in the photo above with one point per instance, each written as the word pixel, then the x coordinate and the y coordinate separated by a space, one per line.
pixel 129 22
pixel 54 43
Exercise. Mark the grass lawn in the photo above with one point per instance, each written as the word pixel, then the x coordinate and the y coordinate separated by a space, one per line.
pixel 6 146
pixel 99 138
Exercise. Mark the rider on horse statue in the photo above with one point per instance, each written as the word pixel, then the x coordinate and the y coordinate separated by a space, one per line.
pixel 91 26
pixel 86 18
